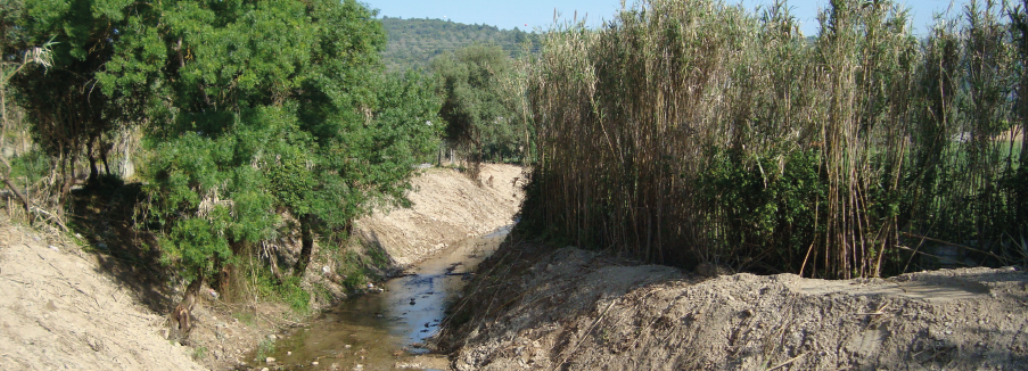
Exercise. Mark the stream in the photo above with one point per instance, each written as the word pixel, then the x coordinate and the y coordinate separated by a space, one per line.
pixel 387 330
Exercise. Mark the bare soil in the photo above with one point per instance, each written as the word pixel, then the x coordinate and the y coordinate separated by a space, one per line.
pixel 57 311
pixel 571 309
pixel 447 207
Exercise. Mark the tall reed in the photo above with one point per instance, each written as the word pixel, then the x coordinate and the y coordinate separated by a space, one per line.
pixel 692 131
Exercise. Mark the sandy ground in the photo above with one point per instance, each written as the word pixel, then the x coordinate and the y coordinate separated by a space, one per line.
pixel 58 312
pixel 571 309
pixel 448 207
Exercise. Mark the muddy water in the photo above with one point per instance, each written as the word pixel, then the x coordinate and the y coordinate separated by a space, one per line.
pixel 386 331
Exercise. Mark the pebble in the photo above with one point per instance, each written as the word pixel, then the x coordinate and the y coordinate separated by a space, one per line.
pixel 315 363
pixel 269 360
pixel 272 337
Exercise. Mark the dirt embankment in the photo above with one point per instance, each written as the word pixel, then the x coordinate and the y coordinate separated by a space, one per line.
pixel 57 311
pixel 448 207
pixel 578 310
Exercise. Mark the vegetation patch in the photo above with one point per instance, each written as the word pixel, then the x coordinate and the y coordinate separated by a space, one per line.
pixel 686 132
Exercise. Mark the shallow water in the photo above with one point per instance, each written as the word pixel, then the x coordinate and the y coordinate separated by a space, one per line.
pixel 380 331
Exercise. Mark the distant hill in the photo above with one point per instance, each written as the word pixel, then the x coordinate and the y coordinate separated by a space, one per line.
pixel 414 42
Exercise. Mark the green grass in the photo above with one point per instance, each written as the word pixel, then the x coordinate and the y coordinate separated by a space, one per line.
pixel 288 290
pixel 199 353
pixel 265 349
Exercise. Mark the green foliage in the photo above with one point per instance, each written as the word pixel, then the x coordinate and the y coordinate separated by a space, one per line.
pixel 353 271
pixel 688 131
pixel 199 353
pixel 480 106
pixel 414 42
pixel 276 105
pixel 30 168
pixel 264 349
pixel 69 116
pixel 290 292
pixel 254 113
pixel 766 209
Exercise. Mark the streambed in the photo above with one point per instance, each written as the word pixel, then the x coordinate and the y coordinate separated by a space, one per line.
pixel 386 330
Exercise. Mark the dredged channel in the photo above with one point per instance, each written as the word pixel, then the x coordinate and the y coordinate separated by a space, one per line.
pixel 386 331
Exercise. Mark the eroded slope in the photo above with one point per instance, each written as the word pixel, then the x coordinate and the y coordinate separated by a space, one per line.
pixel 579 310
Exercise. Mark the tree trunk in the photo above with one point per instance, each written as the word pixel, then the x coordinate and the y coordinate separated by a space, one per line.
pixel 94 173
pixel 182 315
pixel 307 240
pixel 103 157
pixel 69 181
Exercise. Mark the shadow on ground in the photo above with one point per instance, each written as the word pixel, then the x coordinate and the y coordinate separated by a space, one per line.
pixel 102 214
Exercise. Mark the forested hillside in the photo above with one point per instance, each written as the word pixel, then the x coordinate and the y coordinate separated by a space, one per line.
pixel 414 42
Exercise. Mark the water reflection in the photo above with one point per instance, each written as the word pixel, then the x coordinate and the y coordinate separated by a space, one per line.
pixel 386 330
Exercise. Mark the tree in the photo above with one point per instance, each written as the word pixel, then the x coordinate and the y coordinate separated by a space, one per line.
pixel 68 113
pixel 12 62
pixel 278 106
pixel 260 116
pixel 477 106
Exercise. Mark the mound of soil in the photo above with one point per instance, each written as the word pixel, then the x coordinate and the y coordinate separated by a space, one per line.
pixel 447 207
pixel 579 310
pixel 57 311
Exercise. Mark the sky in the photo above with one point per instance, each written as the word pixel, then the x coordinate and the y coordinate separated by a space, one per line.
pixel 529 15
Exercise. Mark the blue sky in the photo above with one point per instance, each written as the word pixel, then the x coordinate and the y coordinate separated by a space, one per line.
pixel 538 14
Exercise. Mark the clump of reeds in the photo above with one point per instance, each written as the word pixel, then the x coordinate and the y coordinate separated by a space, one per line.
pixel 689 131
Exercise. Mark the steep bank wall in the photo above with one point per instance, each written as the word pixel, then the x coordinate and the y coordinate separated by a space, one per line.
pixel 448 207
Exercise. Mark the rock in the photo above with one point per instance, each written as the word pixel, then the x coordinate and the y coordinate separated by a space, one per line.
pixel 269 360
pixel 405 365
pixel 315 363
pixel 272 337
